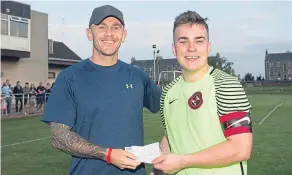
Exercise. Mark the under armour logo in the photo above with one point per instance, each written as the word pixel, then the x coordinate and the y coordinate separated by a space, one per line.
pixel 129 86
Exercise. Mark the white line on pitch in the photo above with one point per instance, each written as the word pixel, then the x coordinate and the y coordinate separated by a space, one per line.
pixel 19 143
pixel 270 113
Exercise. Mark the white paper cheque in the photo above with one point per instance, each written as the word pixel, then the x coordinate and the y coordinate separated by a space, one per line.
pixel 145 154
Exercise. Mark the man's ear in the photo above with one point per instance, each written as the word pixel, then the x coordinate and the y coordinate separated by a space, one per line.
pixel 209 48
pixel 125 33
pixel 173 50
pixel 89 34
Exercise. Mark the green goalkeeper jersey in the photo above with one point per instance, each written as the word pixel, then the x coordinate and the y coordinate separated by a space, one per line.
pixel 202 114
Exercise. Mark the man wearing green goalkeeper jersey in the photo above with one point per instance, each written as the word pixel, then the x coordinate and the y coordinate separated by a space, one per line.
pixel 205 111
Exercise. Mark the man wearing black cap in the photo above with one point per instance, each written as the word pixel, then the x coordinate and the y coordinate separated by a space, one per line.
pixel 96 106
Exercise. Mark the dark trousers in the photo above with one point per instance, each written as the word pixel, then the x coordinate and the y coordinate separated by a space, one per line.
pixel 25 101
pixel 16 105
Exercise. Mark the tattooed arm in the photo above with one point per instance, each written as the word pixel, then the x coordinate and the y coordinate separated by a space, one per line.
pixel 68 141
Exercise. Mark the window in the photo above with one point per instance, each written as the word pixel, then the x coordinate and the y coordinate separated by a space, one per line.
pixel 271 64
pixel 279 74
pixel 18 27
pixel 289 72
pixel 278 64
pixel 271 73
pixel 164 68
pixel 52 75
pixel 284 67
pixel 289 64
pixel 4 24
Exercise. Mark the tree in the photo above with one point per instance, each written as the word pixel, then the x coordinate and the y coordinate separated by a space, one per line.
pixel 248 77
pixel 259 78
pixel 133 59
pixel 221 63
pixel 159 58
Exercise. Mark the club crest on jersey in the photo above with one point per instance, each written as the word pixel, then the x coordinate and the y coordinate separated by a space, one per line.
pixel 196 100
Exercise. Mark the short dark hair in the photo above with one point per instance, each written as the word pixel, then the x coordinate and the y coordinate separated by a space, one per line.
pixel 190 17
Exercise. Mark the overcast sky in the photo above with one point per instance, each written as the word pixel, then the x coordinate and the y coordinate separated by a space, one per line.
pixel 239 31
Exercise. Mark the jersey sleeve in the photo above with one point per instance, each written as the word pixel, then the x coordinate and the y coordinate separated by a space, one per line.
pixel 61 106
pixel 234 108
pixel 163 112
pixel 152 95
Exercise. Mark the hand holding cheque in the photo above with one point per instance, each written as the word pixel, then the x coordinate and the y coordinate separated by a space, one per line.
pixel 145 154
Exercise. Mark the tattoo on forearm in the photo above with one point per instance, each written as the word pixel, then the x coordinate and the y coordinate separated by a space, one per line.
pixel 71 143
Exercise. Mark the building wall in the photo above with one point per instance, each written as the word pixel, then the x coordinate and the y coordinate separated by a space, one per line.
pixel 266 69
pixel 276 71
pixel 11 13
pixel 35 68
pixel 56 70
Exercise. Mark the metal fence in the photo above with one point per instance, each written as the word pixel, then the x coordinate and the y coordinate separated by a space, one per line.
pixel 268 87
pixel 24 104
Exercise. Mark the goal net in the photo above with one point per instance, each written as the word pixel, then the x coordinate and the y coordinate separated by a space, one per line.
pixel 166 77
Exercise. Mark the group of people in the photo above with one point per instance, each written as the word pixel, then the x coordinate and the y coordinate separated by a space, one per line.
pixel 96 107
pixel 29 94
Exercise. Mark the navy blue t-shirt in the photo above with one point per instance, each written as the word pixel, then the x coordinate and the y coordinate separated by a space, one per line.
pixel 104 105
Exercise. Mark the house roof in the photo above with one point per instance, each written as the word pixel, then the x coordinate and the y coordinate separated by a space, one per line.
pixel 279 56
pixel 168 61
pixel 61 54
pixel 143 63
pixel 61 50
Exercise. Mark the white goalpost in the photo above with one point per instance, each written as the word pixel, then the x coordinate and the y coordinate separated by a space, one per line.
pixel 168 76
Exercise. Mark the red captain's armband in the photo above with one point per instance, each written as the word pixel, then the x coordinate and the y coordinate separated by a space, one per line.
pixel 236 123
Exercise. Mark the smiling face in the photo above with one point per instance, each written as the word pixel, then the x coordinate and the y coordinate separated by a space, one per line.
pixel 191 46
pixel 107 36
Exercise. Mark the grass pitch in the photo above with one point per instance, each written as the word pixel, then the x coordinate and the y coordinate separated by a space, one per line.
pixel 26 148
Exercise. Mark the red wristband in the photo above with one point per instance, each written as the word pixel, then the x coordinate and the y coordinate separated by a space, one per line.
pixel 108 157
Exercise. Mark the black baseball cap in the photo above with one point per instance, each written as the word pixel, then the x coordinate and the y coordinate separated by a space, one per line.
pixel 102 12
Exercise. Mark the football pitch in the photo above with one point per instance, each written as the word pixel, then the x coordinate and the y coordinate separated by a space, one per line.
pixel 26 145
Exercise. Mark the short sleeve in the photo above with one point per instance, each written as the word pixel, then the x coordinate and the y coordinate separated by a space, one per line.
pixel 152 95
pixel 61 106
pixel 234 108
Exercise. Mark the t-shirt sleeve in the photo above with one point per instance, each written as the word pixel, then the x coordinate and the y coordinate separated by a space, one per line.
pixel 234 108
pixel 152 95
pixel 61 108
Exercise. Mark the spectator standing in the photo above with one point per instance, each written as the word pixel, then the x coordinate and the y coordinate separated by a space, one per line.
pixel 26 91
pixel 33 92
pixel 41 91
pixel 48 91
pixel 3 104
pixel 8 95
pixel 18 93
pixel 8 84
